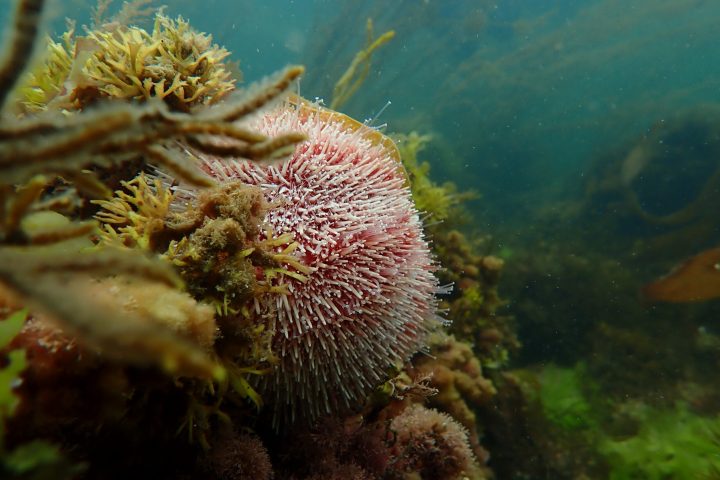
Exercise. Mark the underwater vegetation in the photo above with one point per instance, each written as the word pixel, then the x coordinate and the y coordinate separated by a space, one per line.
pixel 173 63
pixel 40 458
pixel 523 94
pixel 473 301
pixel 635 439
pixel 359 68
pixel 661 186
pixel 562 398
pixel 596 155
pixel 562 424
pixel 668 443
pixel 200 279
pixel 211 273
pixel 125 304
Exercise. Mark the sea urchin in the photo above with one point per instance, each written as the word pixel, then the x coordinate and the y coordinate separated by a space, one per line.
pixel 368 301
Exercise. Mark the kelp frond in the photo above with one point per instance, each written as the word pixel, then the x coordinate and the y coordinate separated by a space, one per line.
pixel 359 68
pixel 118 132
pixel 21 43
pixel 104 312
pixel 130 306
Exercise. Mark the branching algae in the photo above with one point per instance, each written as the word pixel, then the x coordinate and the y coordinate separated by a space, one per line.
pixel 129 301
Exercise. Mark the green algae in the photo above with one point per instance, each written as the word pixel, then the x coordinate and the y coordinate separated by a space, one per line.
pixel 563 400
pixel 441 202
pixel 670 443
pixel 15 363
pixel 636 440
pixel 36 460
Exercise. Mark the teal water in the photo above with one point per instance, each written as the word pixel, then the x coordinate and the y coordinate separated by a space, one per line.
pixel 520 95
pixel 590 130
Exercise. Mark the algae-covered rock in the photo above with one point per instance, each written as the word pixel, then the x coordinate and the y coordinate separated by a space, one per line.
pixel 670 443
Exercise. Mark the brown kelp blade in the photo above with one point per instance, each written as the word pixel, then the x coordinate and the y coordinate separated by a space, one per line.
pixel 696 280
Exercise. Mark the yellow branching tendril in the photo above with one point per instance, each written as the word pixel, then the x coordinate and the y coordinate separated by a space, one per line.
pixel 173 62
pixel 44 81
pixel 133 214
pixel 284 257
pixel 359 68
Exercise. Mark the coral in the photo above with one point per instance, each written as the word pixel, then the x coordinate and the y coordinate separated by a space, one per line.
pixel 366 298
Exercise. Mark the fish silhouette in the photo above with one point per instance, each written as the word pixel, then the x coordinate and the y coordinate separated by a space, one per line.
pixel 695 280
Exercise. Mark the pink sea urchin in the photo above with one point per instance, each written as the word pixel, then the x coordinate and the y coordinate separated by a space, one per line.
pixel 368 301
